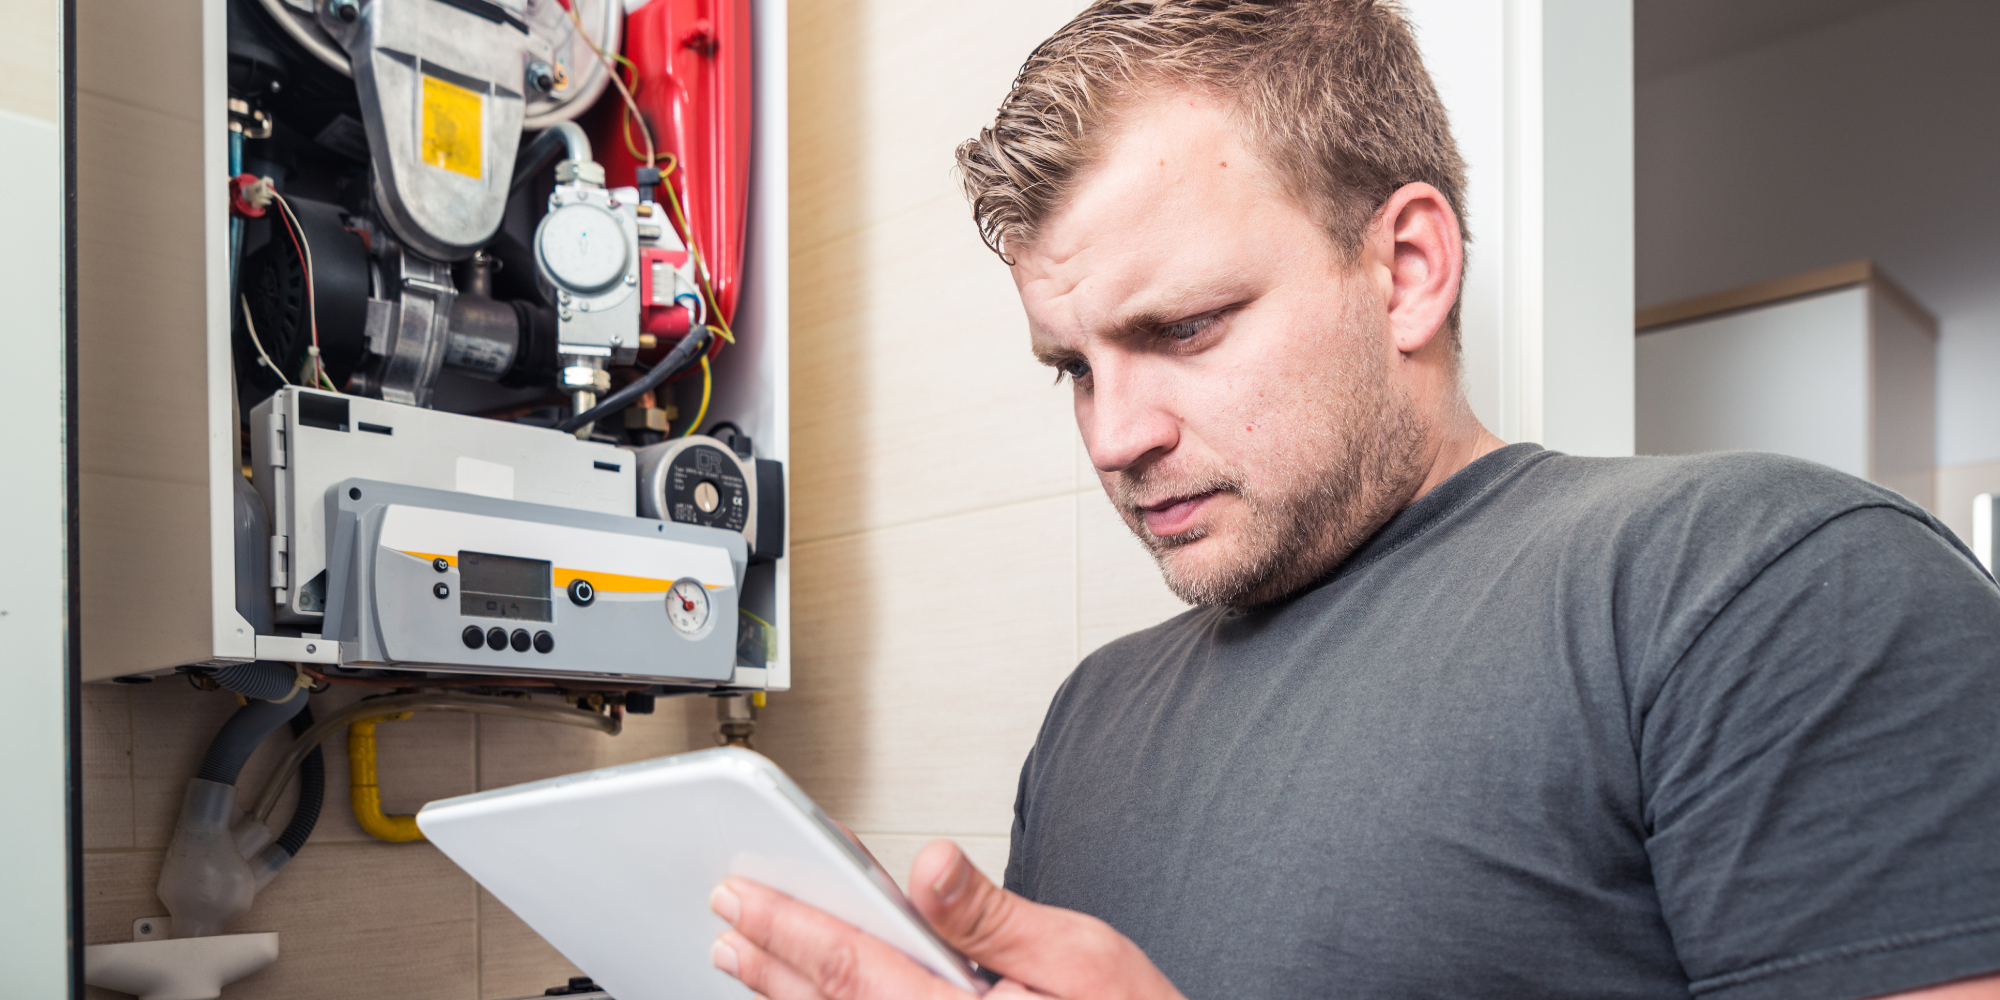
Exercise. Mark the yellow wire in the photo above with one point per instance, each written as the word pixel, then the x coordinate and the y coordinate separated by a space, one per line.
pixel 611 69
pixel 706 384
pixel 701 265
pixel 626 116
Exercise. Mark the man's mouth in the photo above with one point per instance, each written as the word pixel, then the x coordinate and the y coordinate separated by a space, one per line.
pixel 1175 515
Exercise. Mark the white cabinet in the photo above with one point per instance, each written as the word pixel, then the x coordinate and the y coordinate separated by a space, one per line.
pixel 1838 366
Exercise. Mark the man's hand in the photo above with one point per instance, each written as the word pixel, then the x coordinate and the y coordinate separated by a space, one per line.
pixel 786 950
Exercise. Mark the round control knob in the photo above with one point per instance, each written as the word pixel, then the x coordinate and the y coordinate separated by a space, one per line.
pixel 520 640
pixel 441 590
pixel 581 593
pixel 496 638
pixel 473 637
pixel 582 248
pixel 707 497
pixel 440 564
pixel 544 642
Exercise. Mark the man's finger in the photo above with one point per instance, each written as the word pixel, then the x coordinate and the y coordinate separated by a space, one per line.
pixel 836 958
pixel 1046 948
pixel 760 971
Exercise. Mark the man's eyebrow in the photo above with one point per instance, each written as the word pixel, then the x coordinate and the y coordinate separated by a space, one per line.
pixel 1054 357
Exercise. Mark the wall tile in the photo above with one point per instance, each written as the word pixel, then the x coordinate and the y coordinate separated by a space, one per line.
pixel 107 766
pixel 898 851
pixel 367 919
pixel 925 657
pixel 514 961
pixel 127 313
pixel 512 751
pixel 31 67
pixel 1119 590
pixel 151 58
pixel 885 92
pixel 911 376
pixel 118 889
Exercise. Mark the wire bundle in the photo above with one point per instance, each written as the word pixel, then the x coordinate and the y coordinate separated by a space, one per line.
pixel 316 376
pixel 711 305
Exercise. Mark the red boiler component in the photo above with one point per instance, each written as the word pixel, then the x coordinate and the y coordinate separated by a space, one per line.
pixel 694 89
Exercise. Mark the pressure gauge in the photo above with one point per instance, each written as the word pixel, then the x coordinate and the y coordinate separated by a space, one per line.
pixel 582 248
pixel 688 608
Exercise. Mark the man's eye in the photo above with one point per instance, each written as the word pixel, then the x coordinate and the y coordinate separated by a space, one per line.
pixel 1075 369
pixel 1187 329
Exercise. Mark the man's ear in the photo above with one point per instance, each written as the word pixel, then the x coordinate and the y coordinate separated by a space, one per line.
pixel 1417 233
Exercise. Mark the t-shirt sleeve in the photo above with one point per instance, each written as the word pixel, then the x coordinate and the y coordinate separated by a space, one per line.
pixel 1822 782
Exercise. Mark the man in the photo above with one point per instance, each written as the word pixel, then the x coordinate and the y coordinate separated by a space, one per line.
pixel 1451 719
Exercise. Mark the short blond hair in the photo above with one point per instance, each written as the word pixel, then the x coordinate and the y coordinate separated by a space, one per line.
pixel 1333 93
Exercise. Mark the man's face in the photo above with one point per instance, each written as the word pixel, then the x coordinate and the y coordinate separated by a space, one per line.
pixel 1234 376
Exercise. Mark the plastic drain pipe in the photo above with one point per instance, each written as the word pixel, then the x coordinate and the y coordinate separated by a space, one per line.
pixel 218 860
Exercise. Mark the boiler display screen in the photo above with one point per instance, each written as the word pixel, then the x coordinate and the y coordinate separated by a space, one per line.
pixel 493 586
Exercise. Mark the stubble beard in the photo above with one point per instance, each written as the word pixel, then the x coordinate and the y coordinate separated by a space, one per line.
pixel 1356 463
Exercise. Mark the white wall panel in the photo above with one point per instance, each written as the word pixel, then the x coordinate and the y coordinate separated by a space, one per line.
pixel 1540 97
pixel 34 633
pixel 1790 378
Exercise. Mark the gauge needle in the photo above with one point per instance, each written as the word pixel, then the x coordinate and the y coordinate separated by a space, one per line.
pixel 686 605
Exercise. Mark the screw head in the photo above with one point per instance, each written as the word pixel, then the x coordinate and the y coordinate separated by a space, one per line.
pixel 541 76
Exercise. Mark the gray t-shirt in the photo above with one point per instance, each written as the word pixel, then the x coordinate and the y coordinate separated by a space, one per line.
pixel 1720 726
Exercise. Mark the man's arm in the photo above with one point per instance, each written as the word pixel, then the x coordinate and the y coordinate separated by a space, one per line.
pixel 786 950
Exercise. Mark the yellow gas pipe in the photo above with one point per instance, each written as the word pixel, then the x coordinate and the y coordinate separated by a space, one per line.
pixel 362 790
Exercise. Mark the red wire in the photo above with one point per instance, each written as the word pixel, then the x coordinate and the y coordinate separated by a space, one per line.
pixel 312 309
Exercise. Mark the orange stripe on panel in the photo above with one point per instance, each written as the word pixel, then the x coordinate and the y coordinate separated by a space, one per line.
pixel 612 583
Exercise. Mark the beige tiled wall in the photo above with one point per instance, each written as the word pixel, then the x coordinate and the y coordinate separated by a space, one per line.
pixel 953 559
pixel 953 556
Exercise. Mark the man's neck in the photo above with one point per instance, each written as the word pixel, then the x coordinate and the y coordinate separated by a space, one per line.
pixel 1460 440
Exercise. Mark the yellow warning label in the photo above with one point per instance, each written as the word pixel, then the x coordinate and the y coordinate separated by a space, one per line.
pixel 454 127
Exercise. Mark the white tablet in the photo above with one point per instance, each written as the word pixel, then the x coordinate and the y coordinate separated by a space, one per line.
pixel 614 867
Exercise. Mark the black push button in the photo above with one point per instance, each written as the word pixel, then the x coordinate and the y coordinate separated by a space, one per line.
pixel 473 637
pixel 440 564
pixel 581 592
pixel 496 638
pixel 442 590
pixel 521 640
pixel 544 642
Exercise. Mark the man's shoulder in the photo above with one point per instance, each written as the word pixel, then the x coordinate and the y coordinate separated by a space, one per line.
pixel 1728 499
pixel 1725 479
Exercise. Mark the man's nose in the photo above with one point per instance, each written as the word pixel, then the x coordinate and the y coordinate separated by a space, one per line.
pixel 1127 419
